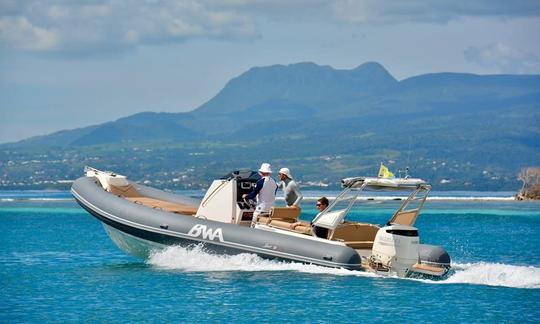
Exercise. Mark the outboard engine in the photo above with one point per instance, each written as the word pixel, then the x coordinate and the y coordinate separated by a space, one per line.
pixel 395 249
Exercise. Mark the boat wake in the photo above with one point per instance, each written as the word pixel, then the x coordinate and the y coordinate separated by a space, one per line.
pixel 195 259
pixel 430 198
pixel 494 274
pixel 34 199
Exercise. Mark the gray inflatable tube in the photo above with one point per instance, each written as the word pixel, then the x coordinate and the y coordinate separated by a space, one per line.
pixel 138 230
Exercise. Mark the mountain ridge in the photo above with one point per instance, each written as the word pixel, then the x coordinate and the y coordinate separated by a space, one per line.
pixel 303 114
pixel 389 87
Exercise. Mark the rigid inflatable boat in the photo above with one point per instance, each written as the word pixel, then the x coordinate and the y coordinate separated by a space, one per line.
pixel 141 219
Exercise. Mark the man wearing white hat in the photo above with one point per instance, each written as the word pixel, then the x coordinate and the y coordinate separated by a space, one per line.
pixel 265 191
pixel 292 194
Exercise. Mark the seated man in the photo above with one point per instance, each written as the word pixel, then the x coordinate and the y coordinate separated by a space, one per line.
pixel 322 204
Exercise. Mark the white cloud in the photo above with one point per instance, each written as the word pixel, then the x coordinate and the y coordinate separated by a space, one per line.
pixel 21 33
pixel 430 11
pixel 503 58
pixel 58 12
pixel 76 26
pixel 92 11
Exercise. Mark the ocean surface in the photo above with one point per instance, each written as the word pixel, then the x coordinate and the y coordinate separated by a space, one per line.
pixel 58 265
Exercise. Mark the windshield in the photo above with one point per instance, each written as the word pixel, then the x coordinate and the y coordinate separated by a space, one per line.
pixel 406 214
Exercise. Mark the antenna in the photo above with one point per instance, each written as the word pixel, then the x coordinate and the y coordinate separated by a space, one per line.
pixel 408 159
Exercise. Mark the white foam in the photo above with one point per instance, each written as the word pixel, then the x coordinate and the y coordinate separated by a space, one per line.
pixel 50 199
pixel 471 198
pixel 35 199
pixel 493 274
pixel 195 259
pixel 432 198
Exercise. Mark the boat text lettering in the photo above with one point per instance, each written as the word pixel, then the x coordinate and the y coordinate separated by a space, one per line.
pixel 206 233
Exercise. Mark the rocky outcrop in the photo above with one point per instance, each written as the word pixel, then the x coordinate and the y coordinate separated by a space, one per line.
pixel 531 184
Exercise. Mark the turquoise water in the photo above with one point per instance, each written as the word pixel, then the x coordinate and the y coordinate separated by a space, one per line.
pixel 57 265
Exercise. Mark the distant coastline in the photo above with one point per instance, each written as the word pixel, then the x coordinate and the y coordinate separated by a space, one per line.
pixel 309 195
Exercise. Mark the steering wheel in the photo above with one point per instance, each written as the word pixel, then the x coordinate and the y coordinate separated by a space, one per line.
pixel 248 203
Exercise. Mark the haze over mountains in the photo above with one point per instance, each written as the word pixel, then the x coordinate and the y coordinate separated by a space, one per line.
pixel 458 130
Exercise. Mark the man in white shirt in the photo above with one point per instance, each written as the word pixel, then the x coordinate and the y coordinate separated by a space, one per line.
pixel 265 192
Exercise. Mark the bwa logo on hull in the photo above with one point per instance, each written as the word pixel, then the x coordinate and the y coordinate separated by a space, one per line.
pixel 200 230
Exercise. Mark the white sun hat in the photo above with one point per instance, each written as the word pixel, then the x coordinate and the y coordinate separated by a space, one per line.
pixel 286 172
pixel 265 168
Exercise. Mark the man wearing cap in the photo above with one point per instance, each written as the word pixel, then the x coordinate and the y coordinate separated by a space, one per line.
pixel 292 194
pixel 265 191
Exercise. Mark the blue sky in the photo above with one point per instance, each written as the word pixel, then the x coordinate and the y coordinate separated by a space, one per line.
pixel 67 64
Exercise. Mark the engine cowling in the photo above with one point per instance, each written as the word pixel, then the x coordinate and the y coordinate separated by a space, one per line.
pixel 395 248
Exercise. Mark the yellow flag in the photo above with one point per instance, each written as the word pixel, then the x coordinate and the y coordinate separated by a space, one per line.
pixel 384 172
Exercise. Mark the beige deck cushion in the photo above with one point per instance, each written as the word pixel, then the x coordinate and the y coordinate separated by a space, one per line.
pixel 304 228
pixel 264 219
pixel 164 205
pixel 285 213
pixel 280 223
pixel 354 232
pixel 359 244
pixel 124 191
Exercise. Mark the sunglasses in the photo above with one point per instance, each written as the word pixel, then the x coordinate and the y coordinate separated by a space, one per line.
pixel 318 205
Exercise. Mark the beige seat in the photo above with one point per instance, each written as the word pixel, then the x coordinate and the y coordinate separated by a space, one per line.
pixel 264 220
pixel 405 217
pixel 280 215
pixel 303 228
pixel 280 223
pixel 355 235
pixel 286 214
pixel 283 217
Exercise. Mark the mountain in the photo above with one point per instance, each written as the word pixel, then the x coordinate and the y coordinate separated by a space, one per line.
pixel 319 87
pixel 136 128
pixel 463 131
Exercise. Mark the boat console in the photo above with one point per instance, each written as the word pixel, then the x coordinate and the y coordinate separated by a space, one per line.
pixel 223 201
